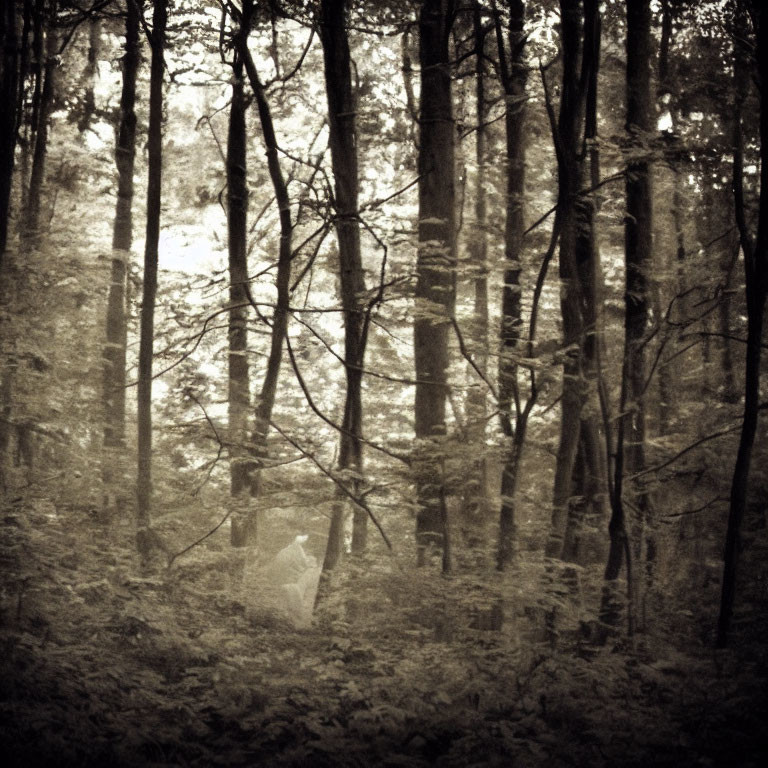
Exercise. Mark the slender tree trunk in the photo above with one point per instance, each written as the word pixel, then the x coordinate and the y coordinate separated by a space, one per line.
pixel 343 141
pixel 756 279
pixel 114 352
pixel 589 484
pixel 239 399
pixel 41 118
pixel 510 473
pixel 638 255
pixel 568 147
pixel 29 107
pixel 610 604
pixel 474 512
pixel 90 74
pixel 757 292
pixel 577 513
pixel 666 99
pixel 724 312
pixel 639 258
pixel 266 400
pixel 9 87
pixel 589 490
pixel 667 374
pixel 146 337
pixel 11 84
pixel 24 55
pixel 23 120
pixel 661 293
pixel 436 274
pixel 514 79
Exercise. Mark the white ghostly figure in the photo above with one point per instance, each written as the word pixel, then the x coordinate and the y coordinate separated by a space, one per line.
pixel 296 574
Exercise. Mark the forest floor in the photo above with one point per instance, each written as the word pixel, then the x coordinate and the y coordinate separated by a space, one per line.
pixel 102 668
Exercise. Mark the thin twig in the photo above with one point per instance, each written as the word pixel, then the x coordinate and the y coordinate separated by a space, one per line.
pixel 310 401
pixel 685 450
pixel 358 500
pixel 696 510
pixel 468 357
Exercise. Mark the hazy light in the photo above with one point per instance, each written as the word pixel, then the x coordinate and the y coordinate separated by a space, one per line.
pixel 191 249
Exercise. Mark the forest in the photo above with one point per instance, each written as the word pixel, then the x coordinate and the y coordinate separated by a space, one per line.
pixel 380 383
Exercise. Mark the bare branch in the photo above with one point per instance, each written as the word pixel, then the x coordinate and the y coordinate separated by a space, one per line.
pixel 358 500
pixel 685 450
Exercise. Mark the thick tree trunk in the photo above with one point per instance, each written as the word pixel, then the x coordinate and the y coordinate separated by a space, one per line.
pixel 9 87
pixel 146 337
pixel 514 79
pixel 638 233
pixel 114 352
pixel 343 141
pixel 239 399
pixel 756 279
pixel 436 274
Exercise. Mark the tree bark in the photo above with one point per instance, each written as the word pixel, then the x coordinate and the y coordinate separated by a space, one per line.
pixel 474 508
pixel 14 53
pixel 638 233
pixel 28 113
pixel 23 127
pixel 435 274
pixel 756 288
pixel 43 107
pixel 239 399
pixel 589 482
pixel 9 87
pixel 90 74
pixel 514 79
pixel 666 90
pixel 146 336
pixel 24 56
pixel 724 313
pixel 266 400
pixel 568 145
pixel 114 352
pixel 342 109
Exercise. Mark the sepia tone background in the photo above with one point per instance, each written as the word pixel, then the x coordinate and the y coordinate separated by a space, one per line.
pixel 380 383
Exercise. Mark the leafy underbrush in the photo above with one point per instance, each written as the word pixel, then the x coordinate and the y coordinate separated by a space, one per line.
pixel 100 667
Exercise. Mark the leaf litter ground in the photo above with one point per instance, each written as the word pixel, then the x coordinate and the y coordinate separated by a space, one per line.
pixel 102 668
